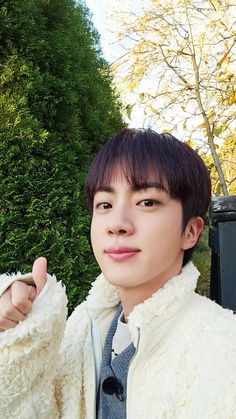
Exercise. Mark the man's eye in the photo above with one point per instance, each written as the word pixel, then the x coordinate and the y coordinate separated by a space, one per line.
pixel 103 205
pixel 148 203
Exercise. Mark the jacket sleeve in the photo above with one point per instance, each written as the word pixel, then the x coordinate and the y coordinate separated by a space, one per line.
pixel 29 356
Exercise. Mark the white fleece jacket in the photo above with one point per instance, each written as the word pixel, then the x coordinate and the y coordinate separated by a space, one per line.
pixel 184 366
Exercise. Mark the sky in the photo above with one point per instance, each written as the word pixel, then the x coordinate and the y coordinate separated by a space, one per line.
pixel 100 9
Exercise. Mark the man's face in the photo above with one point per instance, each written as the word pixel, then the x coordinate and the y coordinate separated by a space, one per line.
pixel 137 235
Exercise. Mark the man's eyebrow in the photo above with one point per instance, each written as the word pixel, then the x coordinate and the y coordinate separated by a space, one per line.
pixel 104 188
pixel 138 187
pixel 147 185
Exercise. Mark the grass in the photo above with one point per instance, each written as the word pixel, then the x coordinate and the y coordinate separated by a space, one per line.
pixel 202 260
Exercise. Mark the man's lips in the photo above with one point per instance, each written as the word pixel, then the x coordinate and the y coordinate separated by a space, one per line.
pixel 121 252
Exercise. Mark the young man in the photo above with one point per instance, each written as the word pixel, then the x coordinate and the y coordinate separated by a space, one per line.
pixel 143 344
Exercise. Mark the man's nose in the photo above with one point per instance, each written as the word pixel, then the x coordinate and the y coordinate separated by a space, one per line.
pixel 121 223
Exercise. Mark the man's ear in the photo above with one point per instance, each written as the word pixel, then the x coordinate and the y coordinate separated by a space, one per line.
pixel 192 232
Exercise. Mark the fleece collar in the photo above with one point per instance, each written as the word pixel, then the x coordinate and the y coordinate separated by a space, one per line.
pixel 161 305
pixel 165 303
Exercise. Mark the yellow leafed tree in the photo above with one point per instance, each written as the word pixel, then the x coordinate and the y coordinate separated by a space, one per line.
pixel 179 60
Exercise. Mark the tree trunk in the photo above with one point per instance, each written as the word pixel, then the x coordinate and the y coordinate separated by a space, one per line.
pixel 210 137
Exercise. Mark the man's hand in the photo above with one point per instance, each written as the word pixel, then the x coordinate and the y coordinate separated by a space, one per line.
pixel 16 301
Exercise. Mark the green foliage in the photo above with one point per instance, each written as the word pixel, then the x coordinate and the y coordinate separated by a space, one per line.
pixel 57 107
pixel 202 259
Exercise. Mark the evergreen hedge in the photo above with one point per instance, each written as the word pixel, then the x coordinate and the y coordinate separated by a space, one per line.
pixel 57 107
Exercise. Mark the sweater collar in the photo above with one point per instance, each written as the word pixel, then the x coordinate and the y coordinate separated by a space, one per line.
pixel 161 305
pixel 164 304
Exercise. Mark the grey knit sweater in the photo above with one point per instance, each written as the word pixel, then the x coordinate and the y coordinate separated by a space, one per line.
pixel 111 400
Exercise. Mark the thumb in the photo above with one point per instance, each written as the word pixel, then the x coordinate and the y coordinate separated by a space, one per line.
pixel 39 273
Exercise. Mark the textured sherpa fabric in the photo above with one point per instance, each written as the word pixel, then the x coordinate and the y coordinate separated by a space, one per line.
pixel 184 366
pixel 29 356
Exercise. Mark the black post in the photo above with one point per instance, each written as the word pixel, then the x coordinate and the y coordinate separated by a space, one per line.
pixel 222 241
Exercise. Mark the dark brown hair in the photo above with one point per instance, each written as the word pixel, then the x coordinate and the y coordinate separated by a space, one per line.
pixel 144 155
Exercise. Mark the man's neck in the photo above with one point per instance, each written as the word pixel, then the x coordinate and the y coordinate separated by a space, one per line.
pixel 132 296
